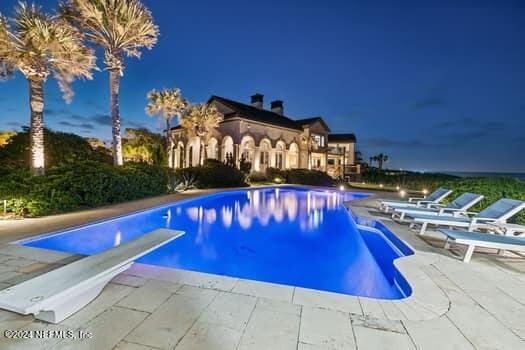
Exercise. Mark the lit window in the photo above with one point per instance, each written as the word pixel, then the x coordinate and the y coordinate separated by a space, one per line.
pixel 319 140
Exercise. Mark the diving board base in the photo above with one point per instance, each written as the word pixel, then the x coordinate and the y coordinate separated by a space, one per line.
pixel 75 300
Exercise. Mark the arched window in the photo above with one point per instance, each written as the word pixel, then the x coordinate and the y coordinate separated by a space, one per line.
pixel 227 149
pixel 213 149
pixel 293 156
pixel 264 159
pixel 279 155
pixel 247 148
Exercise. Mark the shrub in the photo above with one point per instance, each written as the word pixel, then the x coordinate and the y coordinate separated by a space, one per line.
pixel 307 177
pixel 258 176
pixel 211 174
pixel 183 179
pixel 493 188
pixel 60 148
pixel 275 173
pixel 88 184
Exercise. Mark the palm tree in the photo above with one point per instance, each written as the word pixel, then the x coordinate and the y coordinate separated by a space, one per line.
pixel 201 120
pixel 380 159
pixel 39 45
pixel 168 103
pixel 121 28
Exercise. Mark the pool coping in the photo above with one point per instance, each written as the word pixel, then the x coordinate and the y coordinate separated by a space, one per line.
pixel 427 300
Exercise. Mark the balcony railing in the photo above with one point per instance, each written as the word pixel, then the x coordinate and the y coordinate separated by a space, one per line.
pixel 335 150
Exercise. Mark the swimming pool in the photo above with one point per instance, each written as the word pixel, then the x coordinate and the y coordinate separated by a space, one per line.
pixel 287 235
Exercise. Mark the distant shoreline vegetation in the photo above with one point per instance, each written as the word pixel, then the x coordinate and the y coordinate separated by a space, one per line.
pixel 493 186
pixel 520 176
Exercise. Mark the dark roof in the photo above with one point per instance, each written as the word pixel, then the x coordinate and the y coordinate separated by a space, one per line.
pixel 341 138
pixel 253 113
pixel 308 121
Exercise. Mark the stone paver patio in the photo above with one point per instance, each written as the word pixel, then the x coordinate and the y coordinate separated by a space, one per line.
pixel 480 305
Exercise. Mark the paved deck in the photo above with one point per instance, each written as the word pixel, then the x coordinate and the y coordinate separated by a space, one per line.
pixel 480 305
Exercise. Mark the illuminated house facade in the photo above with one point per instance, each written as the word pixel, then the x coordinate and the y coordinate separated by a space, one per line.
pixel 267 138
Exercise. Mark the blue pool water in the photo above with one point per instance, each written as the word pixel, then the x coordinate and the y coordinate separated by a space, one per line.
pixel 288 235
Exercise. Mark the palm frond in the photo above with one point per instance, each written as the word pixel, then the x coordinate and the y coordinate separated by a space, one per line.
pixel 168 103
pixel 201 119
pixel 39 45
pixel 120 27
pixel 7 67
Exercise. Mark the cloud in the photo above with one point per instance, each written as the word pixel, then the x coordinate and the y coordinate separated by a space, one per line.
pixel 100 119
pixel 53 112
pixel 94 104
pixel 387 142
pixel 66 123
pixel 135 125
pixel 428 102
pixel 83 126
pixel 471 123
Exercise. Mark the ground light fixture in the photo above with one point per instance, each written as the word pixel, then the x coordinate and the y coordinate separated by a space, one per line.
pixel 402 193
pixel 342 187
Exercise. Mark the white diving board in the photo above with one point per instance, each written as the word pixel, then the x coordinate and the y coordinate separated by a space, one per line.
pixel 56 295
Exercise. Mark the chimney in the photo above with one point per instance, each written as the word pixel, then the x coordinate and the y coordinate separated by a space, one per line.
pixel 257 100
pixel 277 107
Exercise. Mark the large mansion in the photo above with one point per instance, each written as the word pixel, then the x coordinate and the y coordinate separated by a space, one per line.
pixel 267 138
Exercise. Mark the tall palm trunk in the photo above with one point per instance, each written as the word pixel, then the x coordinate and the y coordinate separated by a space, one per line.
pixel 114 86
pixel 36 131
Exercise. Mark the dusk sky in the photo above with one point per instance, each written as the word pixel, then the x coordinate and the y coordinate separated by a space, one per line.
pixel 436 85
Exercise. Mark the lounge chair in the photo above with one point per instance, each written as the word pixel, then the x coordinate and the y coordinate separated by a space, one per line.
pixel 455 208
pixel 415 202
pixel 486 240
pixel 498 212
pixel 55 295
pixel 509 229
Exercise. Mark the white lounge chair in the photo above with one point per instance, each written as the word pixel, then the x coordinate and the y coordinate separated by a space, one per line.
pixel 498 212
pixel 509 229
pixel 486 240
pixel 455 208
pixel 57 294
pixel 415 202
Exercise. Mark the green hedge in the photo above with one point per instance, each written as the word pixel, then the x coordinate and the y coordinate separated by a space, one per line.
pixel 295 176
pixel 87 184
pixel 493 188
pixel 60 148
pixel 213 174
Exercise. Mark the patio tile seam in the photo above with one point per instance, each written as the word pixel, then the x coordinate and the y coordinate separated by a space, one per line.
pixel 133 328
pixel 481 306
pixel 461 332
pixel 196 319
pixel 247 322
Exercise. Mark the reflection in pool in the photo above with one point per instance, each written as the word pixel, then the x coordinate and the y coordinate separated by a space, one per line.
pixel 286 235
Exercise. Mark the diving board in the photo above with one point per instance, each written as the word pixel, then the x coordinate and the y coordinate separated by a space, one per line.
pixel 56 295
